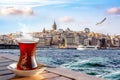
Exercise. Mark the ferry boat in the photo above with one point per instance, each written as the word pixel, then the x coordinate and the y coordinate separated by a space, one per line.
pixel 81 47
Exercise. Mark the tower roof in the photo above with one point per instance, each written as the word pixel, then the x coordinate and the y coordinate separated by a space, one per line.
pixel 54 26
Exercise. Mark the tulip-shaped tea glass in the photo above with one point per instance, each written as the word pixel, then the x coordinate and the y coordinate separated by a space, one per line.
pixel 27 59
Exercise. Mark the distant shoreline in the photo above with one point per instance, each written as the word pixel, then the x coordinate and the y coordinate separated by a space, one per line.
pixel 11 46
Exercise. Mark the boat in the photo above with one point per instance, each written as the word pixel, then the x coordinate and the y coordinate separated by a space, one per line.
pixel 82 47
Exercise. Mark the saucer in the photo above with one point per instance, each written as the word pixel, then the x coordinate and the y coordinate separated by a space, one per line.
pixel 12 67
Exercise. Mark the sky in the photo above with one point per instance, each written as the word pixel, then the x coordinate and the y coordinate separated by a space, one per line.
pixel 34 15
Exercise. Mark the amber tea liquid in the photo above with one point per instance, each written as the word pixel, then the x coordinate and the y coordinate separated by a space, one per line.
pixel 27 59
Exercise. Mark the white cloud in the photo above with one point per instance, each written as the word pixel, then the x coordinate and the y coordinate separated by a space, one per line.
pixel 30 3
pixel 66 19
pixel 114 11
pixel 16 11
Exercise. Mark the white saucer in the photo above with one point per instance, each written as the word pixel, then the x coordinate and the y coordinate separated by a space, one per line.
pixel 12 67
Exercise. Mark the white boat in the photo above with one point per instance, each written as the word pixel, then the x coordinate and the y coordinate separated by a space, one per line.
pixel 81 47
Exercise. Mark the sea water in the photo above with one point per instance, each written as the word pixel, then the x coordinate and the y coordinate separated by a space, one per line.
pixel 99 63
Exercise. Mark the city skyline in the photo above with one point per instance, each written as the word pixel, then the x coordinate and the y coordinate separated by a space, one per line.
pixel 34 15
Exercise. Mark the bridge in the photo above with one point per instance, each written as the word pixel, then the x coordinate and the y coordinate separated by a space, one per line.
pixel 9 46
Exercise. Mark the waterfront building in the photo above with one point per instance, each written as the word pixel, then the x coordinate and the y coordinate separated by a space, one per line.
pixel 41 42
pixel 69 41
pixel 109 43
pixel 77 39
pixel 91 41
pixel 94 41
pixel 82 37
pixel 103 43
pixel 115 42
pixel 87 42
pixel 48 41
pixel 56 40
pixel 1 39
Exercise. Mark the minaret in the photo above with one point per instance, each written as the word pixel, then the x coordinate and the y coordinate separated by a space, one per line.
pixel 54 26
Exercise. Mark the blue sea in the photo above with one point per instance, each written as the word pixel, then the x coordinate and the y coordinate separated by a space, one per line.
pixel 99 63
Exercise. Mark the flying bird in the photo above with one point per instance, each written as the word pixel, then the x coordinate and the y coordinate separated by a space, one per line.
pixel 101 21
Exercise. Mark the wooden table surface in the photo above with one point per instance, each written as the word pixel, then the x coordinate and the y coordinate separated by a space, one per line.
pixel 50 73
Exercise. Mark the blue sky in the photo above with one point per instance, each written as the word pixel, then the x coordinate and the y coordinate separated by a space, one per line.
pixel 34 15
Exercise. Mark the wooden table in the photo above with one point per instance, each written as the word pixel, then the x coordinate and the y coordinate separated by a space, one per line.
pixel 50 73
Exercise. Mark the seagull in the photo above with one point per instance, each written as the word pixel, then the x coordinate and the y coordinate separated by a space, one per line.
pixel 101 21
